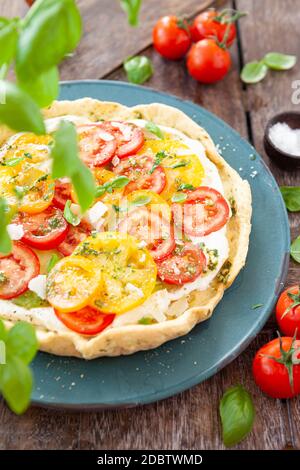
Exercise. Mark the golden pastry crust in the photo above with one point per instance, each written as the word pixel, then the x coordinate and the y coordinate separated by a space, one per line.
pixel 131 338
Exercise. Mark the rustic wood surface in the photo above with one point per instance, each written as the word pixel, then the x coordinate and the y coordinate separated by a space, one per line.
pixel 189 420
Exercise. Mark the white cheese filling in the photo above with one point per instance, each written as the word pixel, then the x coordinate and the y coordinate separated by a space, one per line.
pixel 167 303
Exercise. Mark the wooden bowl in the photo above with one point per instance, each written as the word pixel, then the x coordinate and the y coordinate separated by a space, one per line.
pixel 283 159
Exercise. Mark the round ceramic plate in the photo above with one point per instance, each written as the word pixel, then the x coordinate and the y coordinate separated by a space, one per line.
pixel 179 364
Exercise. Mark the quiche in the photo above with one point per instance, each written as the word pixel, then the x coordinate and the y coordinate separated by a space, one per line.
pixel 167 233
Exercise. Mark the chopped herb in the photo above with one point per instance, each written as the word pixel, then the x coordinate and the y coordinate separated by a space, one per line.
pixel 232 203
pixel 158 159
pixel 12 161
pixel 28 155
pixel 255 306
pixel 180 164
pixel 145 321
pixel 154 129
pixel 3 278
pixel 224 273
pixel 55 222
pixel 85 249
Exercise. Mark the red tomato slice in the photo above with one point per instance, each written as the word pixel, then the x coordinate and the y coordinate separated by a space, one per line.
pixel 45 230
pixel 150 227
pixel 87 321
pixel 204 211
pixel 62 194
pixel 74 236
pixel 137 169
pixel 184 265
pixel 17 269
pixel 129 137
pixel 96 145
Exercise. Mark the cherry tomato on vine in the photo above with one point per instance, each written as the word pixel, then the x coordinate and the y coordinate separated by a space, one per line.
pixel 213 24
pixel 276 368
pixel 208 62
pixel 171 37
pixel 288 311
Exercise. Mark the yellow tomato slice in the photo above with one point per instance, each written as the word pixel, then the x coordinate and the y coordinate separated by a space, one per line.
pixel 156 202
pixel 72 283
pixel 31 190
pixel 26 150
pixel 128 272
pixel 187 168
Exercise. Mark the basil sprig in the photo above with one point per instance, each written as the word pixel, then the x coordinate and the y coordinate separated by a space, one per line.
pixel 138 69
pixel 237 415
pixel 70 217
pixel 255 71
pixel 20 346
pixel 291 196
pixel 117 183
pixel 132 8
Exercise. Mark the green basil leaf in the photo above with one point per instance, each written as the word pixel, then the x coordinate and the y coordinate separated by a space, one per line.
pixel 3 332
pixel 180 164
pixel 30 300
pixel 138 69
pixel 254 72
pixel 12 161
pixel 18 110
pixel 278 61
pixel 140 201
pixel 66 162
pixel 119 182
pixel 52 262
pixel 70 217
pixel 291 196
pixel 5 241
pixel 132 8
pixel 295 249
pixel 154 129
pixel 44 89
pixel 16 384
pixel 185 187
pixel 8 40
pixel 237 415
pixel 145 321
pixel 22 342
pixel 51 30
pixel 179 197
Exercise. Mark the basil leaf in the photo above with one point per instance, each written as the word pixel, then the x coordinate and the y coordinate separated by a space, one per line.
pixel 180 164
pixel 237 415
pixel 185 186
pixel 19 111
pixel 70 217
pixel 132 8
pixel 44 89
pixel 51 30
pixel 16 384
pixel 154 129
pixel 66 162
pixel 278 61
pixel 254 72
pixel 5 241
pixel 145 321
pixel 138 69
pixel 3 332
pixel 52 262
pixel 30 300
pixel 295 249
pixel 140 201
pixel 22 342
pixel 291 196
pixel 179 197
pixel 8 40
pixel 119 182
pixel 12 161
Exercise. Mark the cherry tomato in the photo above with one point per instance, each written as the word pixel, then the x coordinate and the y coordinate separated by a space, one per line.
pixel 171 37
pixel 207 62
pixel 17 269
pixel 206 25
pixel 45 230
pixel 184 265
pixel 62 193
pixel 204 211
pixel 288 311
pixel 74 236
pixel 87 321
pixel 139 170
pixel 96 145
pixel 150 227
pixel 273 376
pixel 129 137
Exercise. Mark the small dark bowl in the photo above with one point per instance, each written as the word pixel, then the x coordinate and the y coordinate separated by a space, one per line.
pixel 282 159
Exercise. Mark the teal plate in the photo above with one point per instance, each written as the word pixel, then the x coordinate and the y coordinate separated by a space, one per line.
pixel 179 364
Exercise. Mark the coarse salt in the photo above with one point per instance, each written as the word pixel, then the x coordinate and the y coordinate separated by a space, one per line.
pixel 285 138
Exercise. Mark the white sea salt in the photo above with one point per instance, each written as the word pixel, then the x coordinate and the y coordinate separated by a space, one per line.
pixel 285 138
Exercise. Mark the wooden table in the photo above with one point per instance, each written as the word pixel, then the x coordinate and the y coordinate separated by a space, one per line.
pixel 189 420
